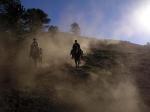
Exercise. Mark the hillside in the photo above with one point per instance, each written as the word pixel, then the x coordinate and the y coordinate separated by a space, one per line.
pixel 113 77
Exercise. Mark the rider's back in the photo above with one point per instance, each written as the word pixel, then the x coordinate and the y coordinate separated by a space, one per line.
pixel 76 46
pixel 75 50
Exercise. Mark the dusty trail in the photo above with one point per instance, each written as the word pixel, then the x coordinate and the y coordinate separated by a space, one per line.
pixel 111 79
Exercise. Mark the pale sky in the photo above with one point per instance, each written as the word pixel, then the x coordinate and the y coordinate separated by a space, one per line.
pixel 110 19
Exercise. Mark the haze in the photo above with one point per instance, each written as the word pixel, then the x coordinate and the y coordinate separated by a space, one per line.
pixel 109 19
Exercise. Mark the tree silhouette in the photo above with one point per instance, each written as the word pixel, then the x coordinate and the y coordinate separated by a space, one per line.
pixel 35 19
pixel 11 12
pixel 75 28
pixel 16 20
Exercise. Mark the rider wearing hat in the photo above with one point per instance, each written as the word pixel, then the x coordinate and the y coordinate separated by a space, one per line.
pixel 34 43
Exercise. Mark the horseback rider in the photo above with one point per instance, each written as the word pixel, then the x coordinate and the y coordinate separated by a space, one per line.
pixel 75 48
pixel 34 46
pixel 76 53
pixel 76 45
pixel 34 43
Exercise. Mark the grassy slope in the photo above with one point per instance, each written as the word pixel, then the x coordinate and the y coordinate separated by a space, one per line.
pixel 112 73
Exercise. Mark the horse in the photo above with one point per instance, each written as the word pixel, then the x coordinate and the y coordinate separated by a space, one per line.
pixel 35 54
pixel 77 55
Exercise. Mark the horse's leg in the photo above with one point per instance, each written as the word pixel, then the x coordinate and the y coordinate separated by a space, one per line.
pixel 41 60
pixel 75 62
pixel 78 63
pixel 35 62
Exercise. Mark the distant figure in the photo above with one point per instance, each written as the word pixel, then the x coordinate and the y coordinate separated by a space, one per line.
pixel 34 43
pixel 35 52
pixel 76 53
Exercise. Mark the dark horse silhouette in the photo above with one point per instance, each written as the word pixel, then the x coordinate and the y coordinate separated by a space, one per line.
pixel 77 55
pixel 35 54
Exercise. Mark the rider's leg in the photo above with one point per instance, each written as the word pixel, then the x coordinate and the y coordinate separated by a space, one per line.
pixel 78 62
pixel 35 63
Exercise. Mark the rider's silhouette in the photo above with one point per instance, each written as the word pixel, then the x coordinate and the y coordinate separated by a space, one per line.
pixel 75 47
pixel 34 43
pixel 76 53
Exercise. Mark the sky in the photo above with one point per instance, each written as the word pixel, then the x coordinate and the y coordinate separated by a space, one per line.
pixel 127 20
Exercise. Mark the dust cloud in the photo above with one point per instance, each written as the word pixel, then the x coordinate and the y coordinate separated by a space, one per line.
pixel 86 91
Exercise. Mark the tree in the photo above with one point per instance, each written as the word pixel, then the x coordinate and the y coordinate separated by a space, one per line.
pixel 53 30
pixel 35 19
pixel 11 12
pixel 75 28
pixel 16 20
